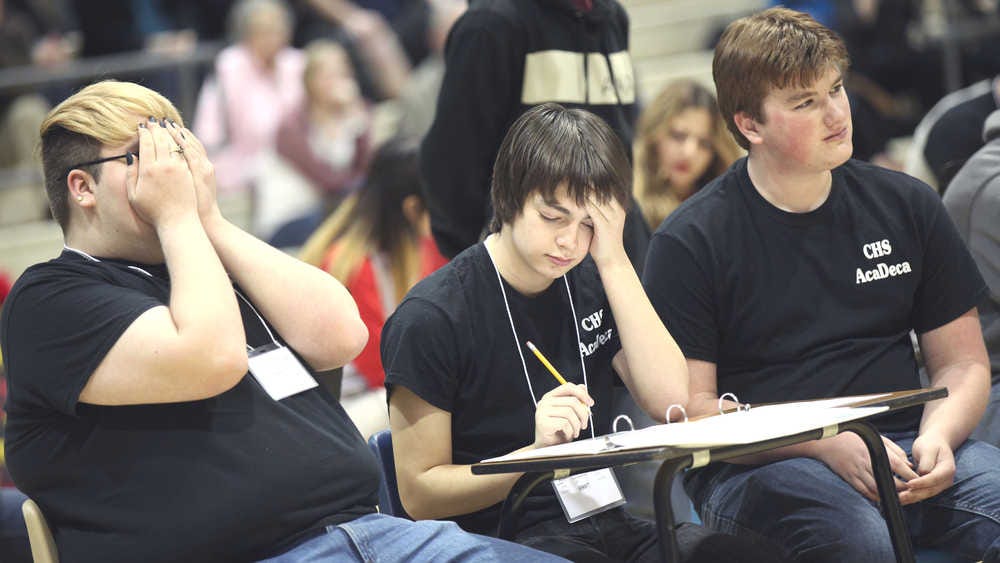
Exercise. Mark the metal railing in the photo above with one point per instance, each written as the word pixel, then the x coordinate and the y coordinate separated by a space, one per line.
pixel 188 69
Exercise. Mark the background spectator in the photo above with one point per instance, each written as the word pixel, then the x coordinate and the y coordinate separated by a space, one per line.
pixel 322 150
pixel 257 81
pixel 378 245
pixel 681 143
pixel 973 202
pixel 958 134
pixel 382 53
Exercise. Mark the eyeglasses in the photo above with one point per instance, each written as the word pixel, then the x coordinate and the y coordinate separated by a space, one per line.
pixel 129 157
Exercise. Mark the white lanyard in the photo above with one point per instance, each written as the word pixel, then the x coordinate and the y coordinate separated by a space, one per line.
pixel 92 259
pixel 517 341
pixel 245 300
pixel 260 318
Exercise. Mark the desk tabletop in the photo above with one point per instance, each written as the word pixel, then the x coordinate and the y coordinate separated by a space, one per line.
pixel 701 455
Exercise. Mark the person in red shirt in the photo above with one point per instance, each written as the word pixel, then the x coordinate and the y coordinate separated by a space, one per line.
pixel 378 244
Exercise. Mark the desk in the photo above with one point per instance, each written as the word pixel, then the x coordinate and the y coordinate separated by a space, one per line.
pixel 675 459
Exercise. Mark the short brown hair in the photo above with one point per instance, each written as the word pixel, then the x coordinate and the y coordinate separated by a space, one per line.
pixel 550 146
pixel 101 114
pixel 775 48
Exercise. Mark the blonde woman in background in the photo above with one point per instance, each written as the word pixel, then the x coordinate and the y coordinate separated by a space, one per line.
pixel 681 144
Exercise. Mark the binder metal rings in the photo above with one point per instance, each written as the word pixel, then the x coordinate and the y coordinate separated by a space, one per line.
pixel 740 407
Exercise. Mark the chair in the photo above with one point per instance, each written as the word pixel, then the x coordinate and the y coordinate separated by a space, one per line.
pixel 43 546
pixel 388 492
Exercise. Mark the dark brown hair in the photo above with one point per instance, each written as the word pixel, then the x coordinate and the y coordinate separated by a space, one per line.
pixel 775 48
pixel 550 146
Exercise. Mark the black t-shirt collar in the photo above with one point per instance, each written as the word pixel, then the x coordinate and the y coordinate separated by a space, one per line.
pixel 819 215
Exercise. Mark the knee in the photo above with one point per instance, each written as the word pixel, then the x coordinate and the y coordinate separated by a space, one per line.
pixel 860 548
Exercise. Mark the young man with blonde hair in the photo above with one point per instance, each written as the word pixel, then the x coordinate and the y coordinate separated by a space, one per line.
pixel 163 405
pixel 799 274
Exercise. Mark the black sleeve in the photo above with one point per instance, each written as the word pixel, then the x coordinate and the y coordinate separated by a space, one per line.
pixel 680 289
pixel 420 352
pixel 57 330
pixel 951 283
pixel 479 94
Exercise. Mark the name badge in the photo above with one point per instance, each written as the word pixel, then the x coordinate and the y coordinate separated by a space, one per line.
pixel 279 372
pixel 587 494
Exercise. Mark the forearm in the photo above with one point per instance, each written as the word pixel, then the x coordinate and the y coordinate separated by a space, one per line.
pixel 955 417
pixel 657 368
pixel 312 311
pixel 452 490
pixel 202 303
pixel 333 10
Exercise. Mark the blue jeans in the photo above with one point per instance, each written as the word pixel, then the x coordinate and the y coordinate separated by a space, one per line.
pixel 989 427
pixel 803 505
pixel 615 536
pixel 377 537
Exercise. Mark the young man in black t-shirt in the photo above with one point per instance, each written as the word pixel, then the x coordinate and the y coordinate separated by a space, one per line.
pixel 133 419
pixel 799 274
pixel 463 385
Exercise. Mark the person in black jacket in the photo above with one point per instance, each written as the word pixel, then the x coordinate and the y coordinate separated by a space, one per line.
pixel 503 57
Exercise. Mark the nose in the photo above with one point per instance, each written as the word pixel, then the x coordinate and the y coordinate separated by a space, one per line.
pixel 567 238
pixel 838 111
pixel 690 146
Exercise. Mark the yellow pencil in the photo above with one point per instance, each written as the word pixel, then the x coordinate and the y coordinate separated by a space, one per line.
pixel 546 363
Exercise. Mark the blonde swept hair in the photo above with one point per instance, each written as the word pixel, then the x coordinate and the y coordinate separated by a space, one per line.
pixel 656 196
pixel 102 114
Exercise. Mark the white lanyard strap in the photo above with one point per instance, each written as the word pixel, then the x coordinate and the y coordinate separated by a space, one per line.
pixel 92 259
pixel 260 318
pixel 517 342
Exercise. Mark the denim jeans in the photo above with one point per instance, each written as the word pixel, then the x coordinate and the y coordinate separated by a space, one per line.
pixel 377 537
pixel 817 516
pixel 615 536
pixel 989 426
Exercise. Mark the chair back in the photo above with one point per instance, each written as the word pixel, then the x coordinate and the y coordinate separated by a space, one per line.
pixel 43 546
pixel 388 492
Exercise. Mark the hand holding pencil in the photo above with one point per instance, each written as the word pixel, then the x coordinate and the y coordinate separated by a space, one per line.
pixel 562 412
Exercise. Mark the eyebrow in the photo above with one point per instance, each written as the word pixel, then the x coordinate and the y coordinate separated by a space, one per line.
pixel 555 205
pixel 803 94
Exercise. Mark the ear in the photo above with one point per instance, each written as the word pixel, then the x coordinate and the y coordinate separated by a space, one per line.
pixel 748 126
pixel 81 188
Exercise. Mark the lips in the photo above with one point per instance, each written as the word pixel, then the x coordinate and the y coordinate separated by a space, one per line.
pixel 559 262
pixel 838 136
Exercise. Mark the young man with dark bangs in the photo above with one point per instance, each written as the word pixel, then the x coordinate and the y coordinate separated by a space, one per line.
pixel 464 386
pixel 799 274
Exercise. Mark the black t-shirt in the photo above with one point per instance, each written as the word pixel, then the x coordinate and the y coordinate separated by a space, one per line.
pixel 450 342
pixel 794 306
pixel 237 477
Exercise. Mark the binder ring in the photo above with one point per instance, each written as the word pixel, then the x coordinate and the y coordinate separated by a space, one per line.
pixel 672 407
pixel 625 417
pixel 740 407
